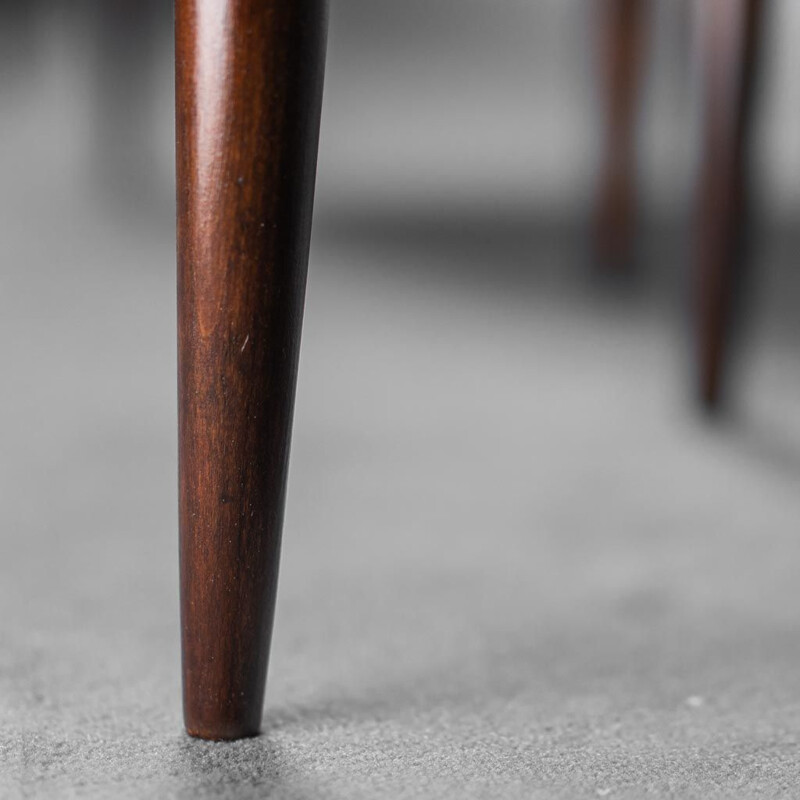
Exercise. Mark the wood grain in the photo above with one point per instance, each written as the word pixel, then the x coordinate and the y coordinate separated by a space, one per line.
pixel 730 38
pixel 248 91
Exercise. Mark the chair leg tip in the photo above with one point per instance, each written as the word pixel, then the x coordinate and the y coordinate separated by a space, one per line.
pixel 222 732
pixel 224 727
pixel 711 401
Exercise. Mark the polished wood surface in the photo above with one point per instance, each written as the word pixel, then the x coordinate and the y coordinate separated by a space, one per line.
pixel 729 38
pixel 622 40
pixel 248 82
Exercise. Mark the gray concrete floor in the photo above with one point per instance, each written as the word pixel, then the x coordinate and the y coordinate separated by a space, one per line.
pixel 516 562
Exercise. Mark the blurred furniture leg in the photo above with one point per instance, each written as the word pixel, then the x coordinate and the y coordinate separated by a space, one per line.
pixel 248 92
pixel 124 158
pixel 730 34
pixel 622 42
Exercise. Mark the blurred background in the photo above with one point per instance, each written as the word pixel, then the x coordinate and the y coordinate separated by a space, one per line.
pixel 509 531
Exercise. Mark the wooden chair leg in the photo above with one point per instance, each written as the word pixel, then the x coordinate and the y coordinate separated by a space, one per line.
pixel 730 36
pixel 622 42
pixel 248 85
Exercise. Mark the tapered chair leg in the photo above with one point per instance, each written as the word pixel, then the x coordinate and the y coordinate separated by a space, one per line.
pixel 622 35
pixel 248 82
pixel 730 35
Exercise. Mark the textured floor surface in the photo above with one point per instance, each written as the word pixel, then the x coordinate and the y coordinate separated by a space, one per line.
pixel 515 563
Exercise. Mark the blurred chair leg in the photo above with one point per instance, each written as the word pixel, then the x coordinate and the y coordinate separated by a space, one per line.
pixel 622 42
pixel 124 158
pixel 730 36
pixel 248 84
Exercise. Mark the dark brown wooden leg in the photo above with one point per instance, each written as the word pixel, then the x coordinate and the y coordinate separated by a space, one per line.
pixel 249 83
pixel 729 38
pixel 622 43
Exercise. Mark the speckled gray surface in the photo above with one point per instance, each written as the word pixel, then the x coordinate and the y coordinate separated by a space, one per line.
pixel 515 564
